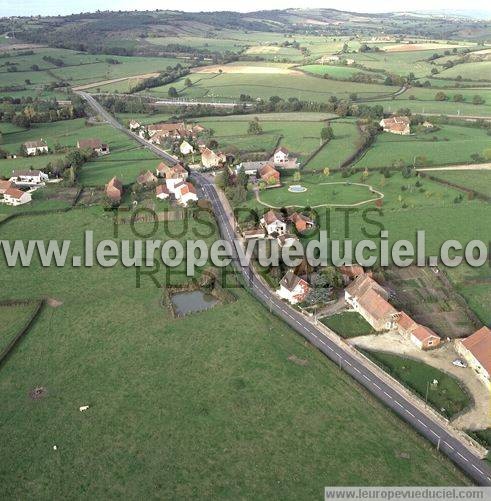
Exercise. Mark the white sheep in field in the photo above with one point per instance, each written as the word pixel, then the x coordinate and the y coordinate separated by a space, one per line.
pixel 83 408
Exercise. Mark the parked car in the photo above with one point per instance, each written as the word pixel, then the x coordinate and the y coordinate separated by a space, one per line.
pixel 459 363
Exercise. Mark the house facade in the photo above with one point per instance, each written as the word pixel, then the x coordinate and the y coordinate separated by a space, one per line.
pixel 14 197
pixel 274 223
pixel 370 299
pixel 36 147
pixel 28 177
pixel 210 159
pixel 293 288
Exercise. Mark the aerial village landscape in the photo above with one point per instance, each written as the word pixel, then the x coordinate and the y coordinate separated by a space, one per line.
pixel 266 133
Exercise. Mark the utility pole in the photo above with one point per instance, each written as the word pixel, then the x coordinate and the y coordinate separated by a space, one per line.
pixel 427 390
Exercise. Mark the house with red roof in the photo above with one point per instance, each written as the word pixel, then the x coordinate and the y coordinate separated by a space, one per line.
pixel 161 192
pixel 421 336
pixel 185 192
pixel 114 190
pixel 14 197
pixel 476 351
pixel 396 125
pixel 370 299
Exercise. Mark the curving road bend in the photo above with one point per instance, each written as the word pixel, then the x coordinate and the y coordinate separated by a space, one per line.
pixel 435 431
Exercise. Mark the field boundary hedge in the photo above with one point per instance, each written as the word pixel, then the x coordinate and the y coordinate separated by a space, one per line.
pixel 472 193
pixel 25 329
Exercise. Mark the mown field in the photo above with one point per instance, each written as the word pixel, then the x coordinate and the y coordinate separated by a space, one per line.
pixel 452 144
pixel 201 404
pixel 229 87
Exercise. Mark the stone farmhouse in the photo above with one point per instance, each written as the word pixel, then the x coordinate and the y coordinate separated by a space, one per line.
pixel 396 125
pixel 14 197
pixel 96 145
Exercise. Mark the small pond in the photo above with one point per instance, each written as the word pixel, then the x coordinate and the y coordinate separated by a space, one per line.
pixel 297 188
pixel 192 302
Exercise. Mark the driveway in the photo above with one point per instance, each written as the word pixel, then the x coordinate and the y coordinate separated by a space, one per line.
pixel 477 416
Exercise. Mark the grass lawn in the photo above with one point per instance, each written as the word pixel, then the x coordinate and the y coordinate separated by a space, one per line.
pixel 348 324
pixel 448 397
pixel 321 190
pixel 203 404
pixel 454 144
pixel 12 319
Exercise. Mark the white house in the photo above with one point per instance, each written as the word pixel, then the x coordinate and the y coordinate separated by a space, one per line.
pixel 293 288
pixel 14 197
pixel 36 147
pixel 280 156
pixel 274 223
pixel 134 125
pixel 185 192
pixel 185 148
pixel 28 177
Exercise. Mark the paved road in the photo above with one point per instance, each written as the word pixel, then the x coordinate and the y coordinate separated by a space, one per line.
pixel 457 451
pixel 428 426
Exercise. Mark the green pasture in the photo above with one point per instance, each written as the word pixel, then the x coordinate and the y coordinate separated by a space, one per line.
pixel 452 144
pixel 229 87
pixel 192 402
pixel 337 72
